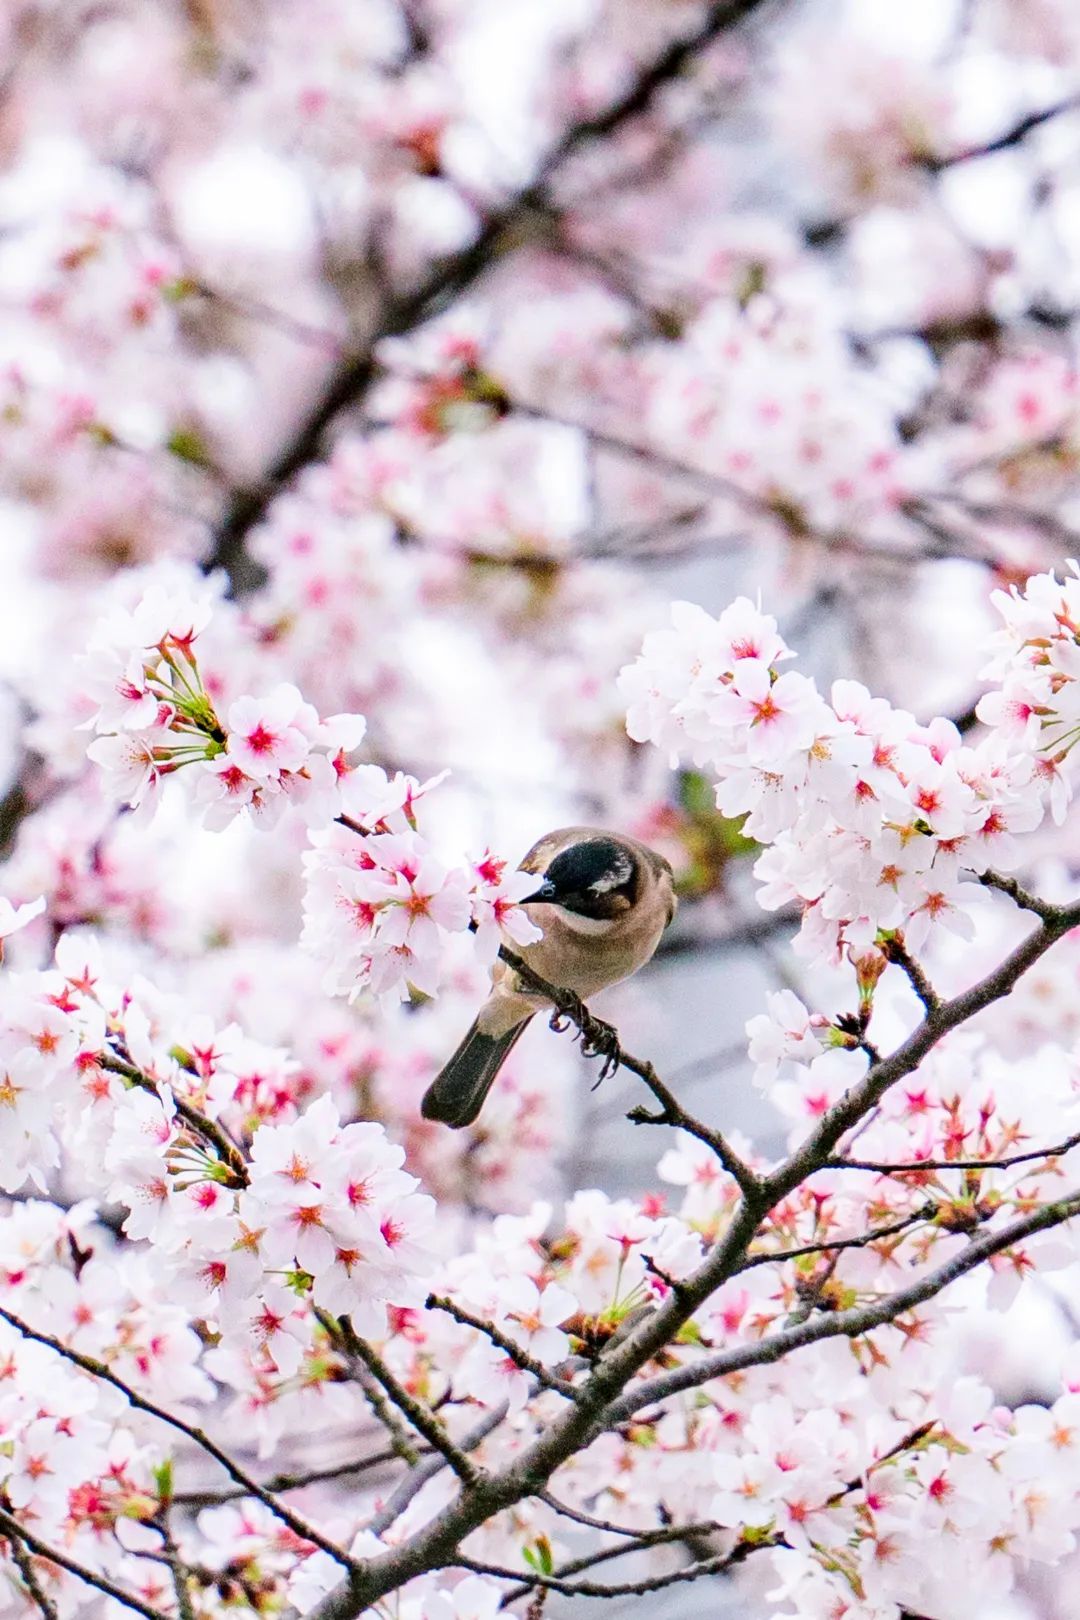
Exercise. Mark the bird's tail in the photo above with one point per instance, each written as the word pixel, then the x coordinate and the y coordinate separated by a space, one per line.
pixel 456 1095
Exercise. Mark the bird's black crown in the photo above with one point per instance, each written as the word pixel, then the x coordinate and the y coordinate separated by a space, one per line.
pixel 596 878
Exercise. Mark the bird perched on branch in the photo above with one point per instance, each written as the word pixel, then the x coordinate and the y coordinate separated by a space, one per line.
pixel 602 901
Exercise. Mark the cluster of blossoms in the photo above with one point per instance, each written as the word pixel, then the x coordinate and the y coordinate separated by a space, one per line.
pixel 155 717
pixel 97 1478
pixel 1036 665
pixel 767 397
pixel 88 1065
pixel 380 906
pixel 871 821
pixel 207 210
pixel 255 1227
pixel 376 1060
pixel 77 1461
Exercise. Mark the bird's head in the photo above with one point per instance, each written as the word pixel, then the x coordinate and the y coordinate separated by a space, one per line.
pixel 598 878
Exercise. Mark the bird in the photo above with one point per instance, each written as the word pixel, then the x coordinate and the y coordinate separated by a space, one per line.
pixel 602 900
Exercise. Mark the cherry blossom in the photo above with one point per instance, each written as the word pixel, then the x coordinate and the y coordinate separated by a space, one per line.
pixel 372 376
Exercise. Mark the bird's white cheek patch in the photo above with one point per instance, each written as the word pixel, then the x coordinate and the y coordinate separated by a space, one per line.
pixel 620 873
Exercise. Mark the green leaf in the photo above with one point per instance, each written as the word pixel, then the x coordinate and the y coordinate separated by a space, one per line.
pixel 186 445
pixel 163 1481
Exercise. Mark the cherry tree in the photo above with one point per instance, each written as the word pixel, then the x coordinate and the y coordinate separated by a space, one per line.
pixel 380 383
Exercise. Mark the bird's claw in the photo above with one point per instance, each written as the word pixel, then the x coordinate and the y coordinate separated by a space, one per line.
pixel 598 1039
pixel 572 1012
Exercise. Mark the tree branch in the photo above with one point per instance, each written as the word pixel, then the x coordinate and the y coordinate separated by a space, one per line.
pixel 45 1605
pixel 251 1487
pixel 947 1015
pixel 454 275
pixel 848 1324
pixel 1013 136
pixel 916 1166
pixel 420 1416
pixel 1026 901
pixel 607 1398
pixel 433 1464
pixel 210 1131
pixel 650 1583
pixel 514 1352
pixel 289 1482
pixel 599 1039
pixel 837 1245
pixel 11 1527
pixel 897 952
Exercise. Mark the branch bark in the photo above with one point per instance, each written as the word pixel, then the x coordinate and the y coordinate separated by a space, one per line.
pixel 609 1397
pixel 453 276
pixel 99 1369
pixel 599 1039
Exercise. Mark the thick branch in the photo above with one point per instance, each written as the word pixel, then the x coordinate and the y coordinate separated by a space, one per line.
pixel 454 275
pixel 848 1324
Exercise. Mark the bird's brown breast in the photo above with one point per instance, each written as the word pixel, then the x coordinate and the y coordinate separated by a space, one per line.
pixel 585 955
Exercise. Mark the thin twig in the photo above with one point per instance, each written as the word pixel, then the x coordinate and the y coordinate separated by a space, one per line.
pixel 98 1369
pixel 917 1166
pixel 1026 901
pixel 420 1416
pixel 897 952
pixel 10 1526
pixel 652 1583
pixel 208 1129
pixel 26 1569
pixel 588 1520
pixel 179 1574
pixel 291 1482
pixel 401 1436
pixel 600 1039
pixel 830 1246
pixel 415 1481
pixel 1013 136
pixel 514 1352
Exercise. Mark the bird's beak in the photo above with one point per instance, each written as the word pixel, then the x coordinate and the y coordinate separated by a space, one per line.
pixel 545 893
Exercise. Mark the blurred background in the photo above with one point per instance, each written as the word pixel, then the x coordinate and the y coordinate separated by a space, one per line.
pixel 459 337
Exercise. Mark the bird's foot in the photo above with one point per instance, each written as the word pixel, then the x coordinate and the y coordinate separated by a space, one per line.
pixel 602 1041
pixel 573 1014
pixel 598 1039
